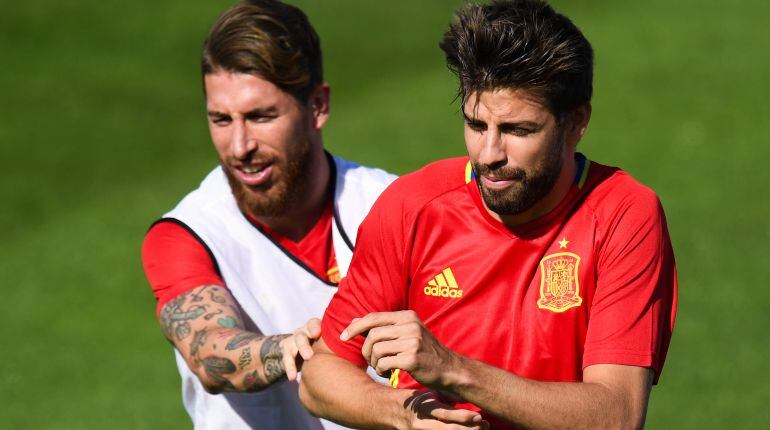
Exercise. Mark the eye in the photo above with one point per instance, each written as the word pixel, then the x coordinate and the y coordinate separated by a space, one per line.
pixel 221 121
pixel 517 131
pixel 476 125
pixel 260 118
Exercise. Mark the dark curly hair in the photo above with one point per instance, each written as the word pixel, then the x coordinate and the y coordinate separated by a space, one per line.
pixel 520 44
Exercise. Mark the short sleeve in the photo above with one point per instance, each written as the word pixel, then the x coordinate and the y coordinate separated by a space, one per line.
pixel 634 307
pixel 175 261
pixel 376 280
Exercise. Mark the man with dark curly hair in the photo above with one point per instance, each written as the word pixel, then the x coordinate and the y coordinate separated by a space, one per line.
pixel 522 286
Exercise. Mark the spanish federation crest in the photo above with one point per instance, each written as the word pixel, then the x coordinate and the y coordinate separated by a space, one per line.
pixel 559 287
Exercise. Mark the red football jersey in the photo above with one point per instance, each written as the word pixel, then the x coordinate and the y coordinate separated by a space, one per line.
pixel 591 282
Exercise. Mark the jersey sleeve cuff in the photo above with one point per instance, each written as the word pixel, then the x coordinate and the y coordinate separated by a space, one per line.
pixel 625 358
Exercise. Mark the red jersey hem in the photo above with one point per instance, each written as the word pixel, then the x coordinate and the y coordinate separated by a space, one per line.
pixel 355 358
pixel 625 358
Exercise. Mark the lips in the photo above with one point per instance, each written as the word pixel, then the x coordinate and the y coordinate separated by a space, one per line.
pixel 253 174
pixel 497 183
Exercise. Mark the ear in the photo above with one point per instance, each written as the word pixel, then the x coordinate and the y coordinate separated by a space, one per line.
pixel 578 123
pixel 318 103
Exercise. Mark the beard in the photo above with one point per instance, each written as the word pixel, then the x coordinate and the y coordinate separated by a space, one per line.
pixel 289 178
pixel 529 187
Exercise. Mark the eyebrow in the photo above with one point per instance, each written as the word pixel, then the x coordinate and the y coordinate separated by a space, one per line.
pixel 526 124
pixel 251 113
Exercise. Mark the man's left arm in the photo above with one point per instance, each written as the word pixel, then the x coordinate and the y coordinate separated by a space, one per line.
pixel 610 396
pixel 631 320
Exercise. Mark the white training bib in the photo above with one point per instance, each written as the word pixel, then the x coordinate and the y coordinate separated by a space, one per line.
pixel 276 292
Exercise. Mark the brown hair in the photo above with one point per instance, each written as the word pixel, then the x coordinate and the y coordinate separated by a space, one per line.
pixel 520 44
pixel 266 38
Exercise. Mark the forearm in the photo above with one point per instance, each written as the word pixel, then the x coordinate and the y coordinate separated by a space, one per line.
pixel 548 405
pixel 206 327
pixel 336 389
pixel 235 359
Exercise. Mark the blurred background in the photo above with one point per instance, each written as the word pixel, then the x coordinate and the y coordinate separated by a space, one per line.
pixel 102 130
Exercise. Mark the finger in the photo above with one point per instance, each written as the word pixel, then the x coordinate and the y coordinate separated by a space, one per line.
pixel 313 328
pixel 383 334
pixel 289 352
pixel 429 406
pixel 457 416
pixel 386 349
pixel 375 319
pixel 432 424
pixel 302 343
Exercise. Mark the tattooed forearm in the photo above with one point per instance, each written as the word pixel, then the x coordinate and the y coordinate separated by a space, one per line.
pixel 205 325
pixel 272 358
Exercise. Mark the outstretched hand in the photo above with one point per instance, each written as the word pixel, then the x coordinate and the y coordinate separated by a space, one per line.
pixel 298 347
pixel 399 340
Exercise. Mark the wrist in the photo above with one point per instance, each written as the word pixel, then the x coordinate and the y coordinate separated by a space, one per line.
pixel 401 414
pixel 455 374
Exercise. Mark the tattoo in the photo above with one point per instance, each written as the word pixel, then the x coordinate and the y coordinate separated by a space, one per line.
pixel 167 313
pixel 183 330
pixel 215 298
pixel 227 322
pixel 253 381
pixel 272 357
pixel 227 333
pixel 245 358
pixel 175 316
pixel 240 340
pixel 217 367
pixel 197 342
pixel 213 314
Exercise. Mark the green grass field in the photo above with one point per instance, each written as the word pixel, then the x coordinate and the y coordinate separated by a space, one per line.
pixel 102 130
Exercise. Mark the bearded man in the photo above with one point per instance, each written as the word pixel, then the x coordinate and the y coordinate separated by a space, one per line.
pixel 259 248
pixel 523 286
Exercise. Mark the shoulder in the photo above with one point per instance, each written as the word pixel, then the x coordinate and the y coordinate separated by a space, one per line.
pixel 364 175
pixel 612 187
pixel 413 191
pixel 211 202
pixel 620 202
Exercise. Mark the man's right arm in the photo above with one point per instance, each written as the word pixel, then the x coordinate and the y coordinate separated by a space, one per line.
pixel 337 389
pixel 206 327
pixel 203 321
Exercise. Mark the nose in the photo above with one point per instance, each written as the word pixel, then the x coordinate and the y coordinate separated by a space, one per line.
pixel 242 144
pixel 493 151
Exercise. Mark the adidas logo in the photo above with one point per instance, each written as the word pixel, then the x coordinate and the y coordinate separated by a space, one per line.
pixel 443 285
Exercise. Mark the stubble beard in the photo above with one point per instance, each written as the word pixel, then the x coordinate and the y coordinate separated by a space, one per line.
pixel 289 180
pixel 529 188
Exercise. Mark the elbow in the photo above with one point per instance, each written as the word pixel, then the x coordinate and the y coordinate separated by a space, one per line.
pixel 627 420
pixel 307 399
pixel 214 385
pixel 210 386
pixel 635 423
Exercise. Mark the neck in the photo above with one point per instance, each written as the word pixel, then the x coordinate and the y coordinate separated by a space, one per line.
pixel 549 202
pixel 297 222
